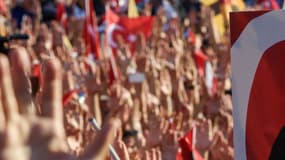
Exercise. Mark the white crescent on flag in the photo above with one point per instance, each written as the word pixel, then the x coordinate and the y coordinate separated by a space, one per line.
pixel 110 31
pixel 260 34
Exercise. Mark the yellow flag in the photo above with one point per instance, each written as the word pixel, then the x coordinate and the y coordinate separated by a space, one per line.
pixel 3 30
pixel 132 10
pixel 219 22
pixel 208 2
pixel 239 4
pixel 218 27
pixel 225 10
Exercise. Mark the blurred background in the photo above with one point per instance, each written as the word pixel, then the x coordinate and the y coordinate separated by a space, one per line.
pixel 161 66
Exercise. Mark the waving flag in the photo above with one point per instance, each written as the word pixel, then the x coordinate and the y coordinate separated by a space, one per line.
pixel 111 18
pixel 205 70
pixel 68 96
pixel 200 60
pixel 91 36
pixel 218 19
pixel 188 150
pixel 127 28
pixel 258 82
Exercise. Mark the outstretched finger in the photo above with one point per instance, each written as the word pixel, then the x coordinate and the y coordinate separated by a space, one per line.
pixel 8 97
pixel 158 154
pixel 21 68
pixel 100 146
pixel 52 90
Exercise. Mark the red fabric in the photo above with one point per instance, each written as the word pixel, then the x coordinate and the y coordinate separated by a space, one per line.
pixel 186 146
pixel 225 1
pixel 113 74
pixel 141 24
pixel 179 156
pixel 239 20
pixel 134 27
pixel 265 113
pixel 36 72
pixel 90 34
pixel 3 8
pixel 129 28
pixel 61 15
pixel 200 59
pixel 125 27
pixel 214 88
pixel 191 37
pixel 274 5
pixel 188 151
pixel 111 17
pixel 68 96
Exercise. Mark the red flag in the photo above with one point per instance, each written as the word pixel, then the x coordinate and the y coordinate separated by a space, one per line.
pixel 61 15
pixel 90 34
pixel 188 150
pixel 36 72
pixel 200 59
pixel 258 85
pixel 127 28
pixel 111 18
pixel 67 97
pixel 205 70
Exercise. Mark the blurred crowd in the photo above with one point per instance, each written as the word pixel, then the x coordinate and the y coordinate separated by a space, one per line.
pixel 172 94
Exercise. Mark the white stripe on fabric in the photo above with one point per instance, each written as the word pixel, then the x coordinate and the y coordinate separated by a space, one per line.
pixel 260 34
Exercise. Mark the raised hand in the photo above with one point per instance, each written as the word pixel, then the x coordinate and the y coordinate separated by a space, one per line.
pixel 27 136
pixel 121 147
pixel 220 148
pixel 203 135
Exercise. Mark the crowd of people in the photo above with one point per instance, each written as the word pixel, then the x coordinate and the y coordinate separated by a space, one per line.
pixel 173 88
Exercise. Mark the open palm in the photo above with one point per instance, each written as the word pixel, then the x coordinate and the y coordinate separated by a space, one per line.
pixel 26 135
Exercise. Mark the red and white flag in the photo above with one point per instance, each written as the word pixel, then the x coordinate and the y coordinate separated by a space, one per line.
pixel 90 34
pixel 127 28
pixel 113 73
pixel 258 80
pixel 205 70
pixel 188 149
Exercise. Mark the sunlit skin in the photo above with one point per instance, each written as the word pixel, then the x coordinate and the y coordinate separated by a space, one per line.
pixel 30 136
